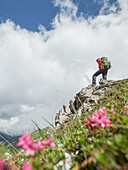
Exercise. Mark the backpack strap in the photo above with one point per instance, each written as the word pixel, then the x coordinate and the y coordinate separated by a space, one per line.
pixel 100 63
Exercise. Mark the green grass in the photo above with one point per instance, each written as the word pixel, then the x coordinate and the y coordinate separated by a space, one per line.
pixel 40 133
pixel 3 149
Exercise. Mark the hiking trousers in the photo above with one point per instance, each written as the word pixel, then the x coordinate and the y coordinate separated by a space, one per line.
pixel 100 71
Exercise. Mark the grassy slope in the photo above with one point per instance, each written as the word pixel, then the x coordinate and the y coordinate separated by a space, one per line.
pixel 101 148
pixel 3 149
pixel 40 132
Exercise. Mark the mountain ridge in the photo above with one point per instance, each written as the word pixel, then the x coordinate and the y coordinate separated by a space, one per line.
pixel 84 100
pixel 4 136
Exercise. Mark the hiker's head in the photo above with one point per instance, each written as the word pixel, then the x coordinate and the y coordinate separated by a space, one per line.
pixel 97 60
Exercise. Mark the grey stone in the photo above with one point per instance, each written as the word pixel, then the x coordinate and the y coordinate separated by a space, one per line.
pixel 85 100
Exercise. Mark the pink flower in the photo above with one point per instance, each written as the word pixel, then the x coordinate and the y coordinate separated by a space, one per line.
pixel 1 163
pixel 103 110
pixel 27 166
pixel 30 151
pixel 5 166
pixel 127 106
pixel 39 146
pixel 99 118
pixel 24 139
pixel 48 143
pixel 88 124
pixel 89 117
pixel 28 144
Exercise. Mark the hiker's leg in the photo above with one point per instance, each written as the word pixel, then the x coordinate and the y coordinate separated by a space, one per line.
pixel 104 74
pixel 95 75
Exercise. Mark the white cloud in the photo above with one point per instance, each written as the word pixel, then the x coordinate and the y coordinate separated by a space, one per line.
pixel 67 7
pixel 39 72
pixel 14 120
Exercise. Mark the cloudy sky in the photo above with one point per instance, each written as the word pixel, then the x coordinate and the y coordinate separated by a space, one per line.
pixel 48 50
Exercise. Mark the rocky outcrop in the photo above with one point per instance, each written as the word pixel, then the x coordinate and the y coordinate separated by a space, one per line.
pixel 84 100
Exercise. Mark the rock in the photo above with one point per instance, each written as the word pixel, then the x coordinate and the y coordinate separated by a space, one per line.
pixel 63 115
pixel 85 100
pixel 106 83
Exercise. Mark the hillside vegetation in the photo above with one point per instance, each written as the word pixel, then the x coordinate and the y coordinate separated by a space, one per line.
pixel 95 140
pixel 3 150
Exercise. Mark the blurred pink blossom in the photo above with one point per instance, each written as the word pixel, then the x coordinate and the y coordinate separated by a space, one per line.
pixel 39 146
pixel 88 124
pixel 1 162
pixel 28 144
pixel 48 142
pixel 99 118
pixel 27 166
pixel 6 166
